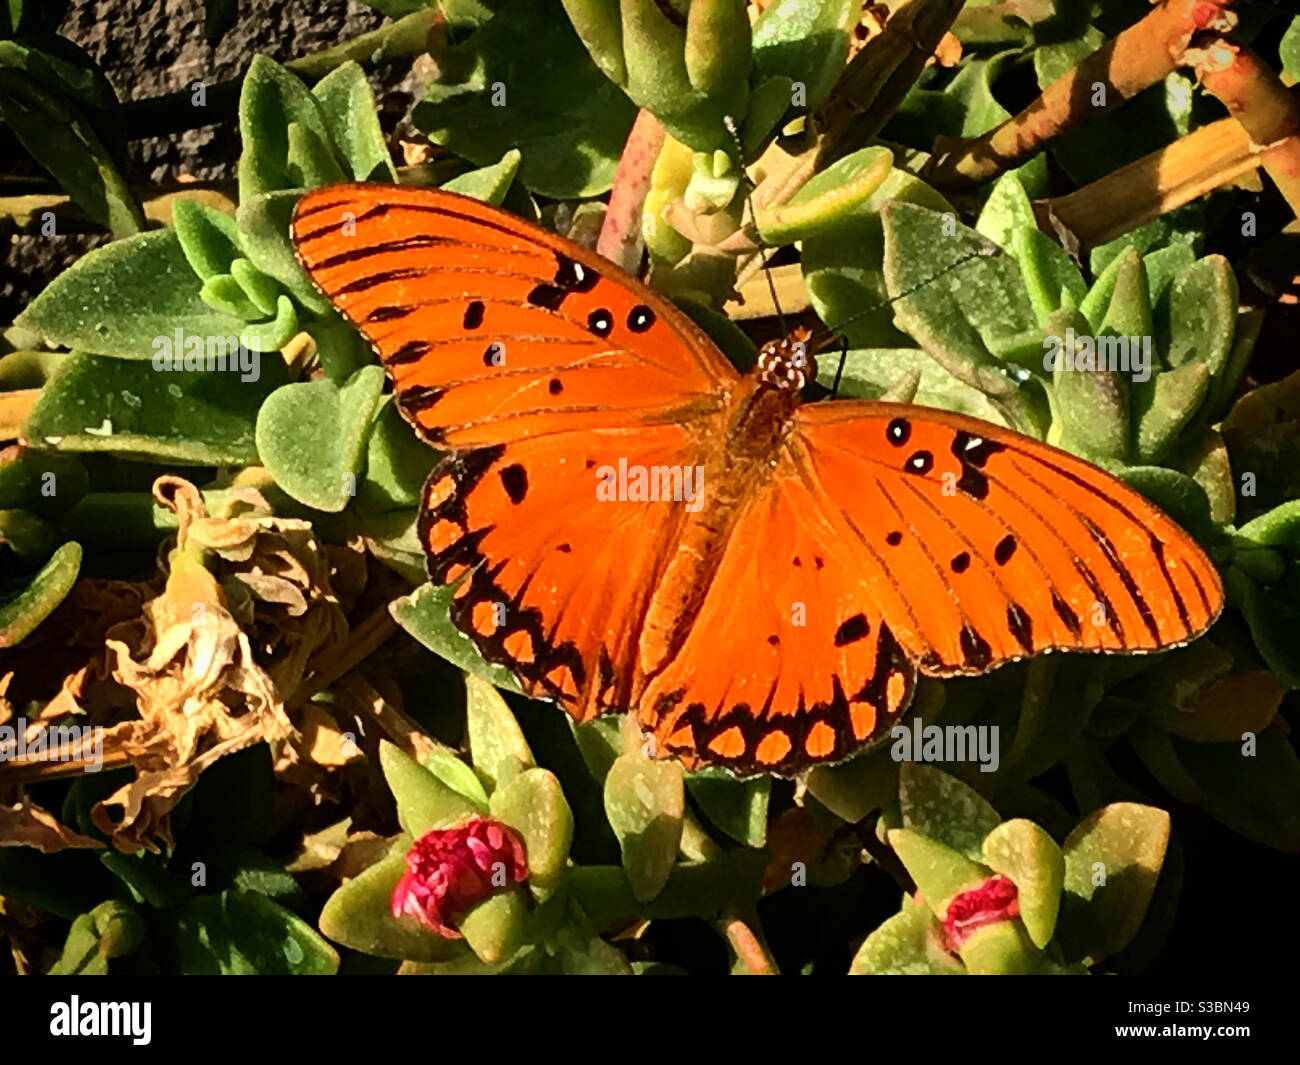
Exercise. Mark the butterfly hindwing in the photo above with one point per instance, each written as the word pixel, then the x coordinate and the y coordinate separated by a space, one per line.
pixel 554 574
pixel 492 328
pixel 982 545
pixel 788 662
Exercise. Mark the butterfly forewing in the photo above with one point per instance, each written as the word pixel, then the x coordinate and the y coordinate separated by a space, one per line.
pixel 492 328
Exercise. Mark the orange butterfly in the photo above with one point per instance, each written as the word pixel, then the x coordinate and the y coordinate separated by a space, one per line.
pixel 634 524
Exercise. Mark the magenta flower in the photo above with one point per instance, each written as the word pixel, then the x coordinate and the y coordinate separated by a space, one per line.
pixel 994 900
pixel 450 869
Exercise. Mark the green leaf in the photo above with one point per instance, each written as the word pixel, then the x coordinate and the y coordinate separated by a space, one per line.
pixel 494 928
pixel 280 124
pixel 940 872
pixel 1203 314
pixel 209 238
pixel 359 916
pixel 1175 493
pixel 941 807
pixel 806 41
pixel 905 945
pixel 496 743
pixel 311 436
pixel 264 225
pixel 123 298
pixel 20 613
pixel 131 409
pixel 871 373
pixel 1112 861
pixel 490 183
pixel 645 802
pixel 241 932
pixel 348 108
pixel 843 266
pixel 423 801
pixel 738 807
pixel 1289 51
pixel 1273 616
pixel 952 296
pixel 41 482
pixel 1165 407
pixel 424 614
pixel 458 776
pixel 524 80
pixel 533 804
pixel 112 929
pixel 837 193
pixel 1022 851
pixel 397 463
pixel 60 136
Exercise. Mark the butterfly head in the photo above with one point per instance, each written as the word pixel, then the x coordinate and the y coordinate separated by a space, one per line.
pixel 787 364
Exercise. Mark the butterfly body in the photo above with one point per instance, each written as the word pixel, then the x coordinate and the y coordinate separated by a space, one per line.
pixel 775 615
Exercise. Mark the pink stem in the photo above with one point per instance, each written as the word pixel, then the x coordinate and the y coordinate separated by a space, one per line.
pixel 620 235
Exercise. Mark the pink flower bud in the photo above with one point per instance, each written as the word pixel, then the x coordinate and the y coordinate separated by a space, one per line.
pixel 450 869
pixel 994 900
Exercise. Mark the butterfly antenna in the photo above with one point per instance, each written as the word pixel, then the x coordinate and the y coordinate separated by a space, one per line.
pixel 839 370
pixel 730 123
pixel 985 251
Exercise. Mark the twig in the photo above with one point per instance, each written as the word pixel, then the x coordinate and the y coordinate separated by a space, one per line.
pixel 620 234
pixel 1256 98
pixel 748 947
pixel 1153 185
pixel 363 641
pixel 1142 55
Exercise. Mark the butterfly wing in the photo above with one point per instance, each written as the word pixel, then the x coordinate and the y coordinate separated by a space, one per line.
pixel 789 662
pixel 537 364
pixel 493 329
pixel 981 545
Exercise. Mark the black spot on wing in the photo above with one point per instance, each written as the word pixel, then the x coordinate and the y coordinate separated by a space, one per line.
pixel 514 479
pixel 852 630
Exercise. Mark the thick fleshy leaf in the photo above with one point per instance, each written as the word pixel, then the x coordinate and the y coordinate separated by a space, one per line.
pixel 496 742
pixel 645 802
pixel 20 613
pixel 359 916
pixel 242 932
pixel 110 930
pixel 525 80
pixel 423 801
pixel 954 297
pixel 940 872
pixel 424 614
pixel 905 945
pixel 1112 861
pixel 738 807
pixel 348 108
pixel 131 409
pixel 1023 852
pixel 311 436
pixel 533 804
pixel 830 197
pixel 843 266
pixel 286 140
pixel 121 298
pixel 806 41
pixel 940 806
pixel 490 183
